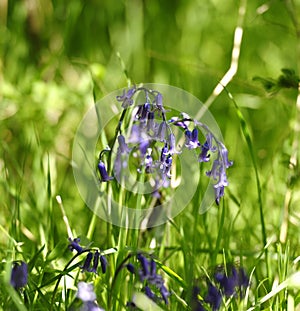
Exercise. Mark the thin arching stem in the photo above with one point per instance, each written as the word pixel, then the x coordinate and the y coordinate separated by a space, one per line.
pixel 294 157
pixel 235 55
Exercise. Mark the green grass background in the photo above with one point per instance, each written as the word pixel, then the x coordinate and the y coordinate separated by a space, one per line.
pixel 57 57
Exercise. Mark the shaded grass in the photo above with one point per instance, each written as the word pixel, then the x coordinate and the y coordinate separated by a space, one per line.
pixel 45 96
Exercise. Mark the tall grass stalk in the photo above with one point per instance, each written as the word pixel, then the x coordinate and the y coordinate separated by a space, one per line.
pixel 246 133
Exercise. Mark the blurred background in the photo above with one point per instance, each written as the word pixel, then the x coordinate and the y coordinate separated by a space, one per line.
pixel 57 57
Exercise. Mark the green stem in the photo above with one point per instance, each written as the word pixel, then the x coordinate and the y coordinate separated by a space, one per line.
pixel 247 137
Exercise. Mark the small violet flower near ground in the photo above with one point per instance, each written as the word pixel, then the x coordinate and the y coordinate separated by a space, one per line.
pixel 236 282
pixel 153 282
pixel 19 275
pixel 196 305
pixel 213 297
pixel 233 284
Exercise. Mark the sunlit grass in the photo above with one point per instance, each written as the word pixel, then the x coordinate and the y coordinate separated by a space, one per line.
pixel 57 60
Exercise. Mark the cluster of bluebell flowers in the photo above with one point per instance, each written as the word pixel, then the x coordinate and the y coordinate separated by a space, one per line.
pixel 153 283
pixel 92 259
pixel 151 140
pixel 225 285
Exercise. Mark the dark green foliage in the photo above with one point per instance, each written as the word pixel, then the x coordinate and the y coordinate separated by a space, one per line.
pixel 59 57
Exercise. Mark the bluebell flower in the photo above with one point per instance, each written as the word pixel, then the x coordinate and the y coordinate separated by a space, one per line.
pixel 165 294
pixel 224 156
pixel 152 267
pixel 103 172
pixel 167 165
pixel 148 274
pixel 219 192
pixel 191 139
pixel 152 281
pixel 120 164
pixel 159 102
pixel 204 156
pixel 130 267
pixel 165 162
pixel 147 134
pixel 227 283
pixel 95 262
pixel 149 292
pixel 172 144
pixel 213 297
pixel 162 131
pixel 232 283
pixel 123 148
pixel 178 122
pixel 87 263
pixel 148 164
pixel 139 113
pixel 195 304
pixel 156 280
pixel 143 147
pixel 142 113
pixel 139 137
pixel 164 153
pixel 86 292
pixel 222 178
pixel 144 264
pixel 126 97
pixel 74 244
pixel 218 172
pixel 19 275
pixel 151 124
pixel 87 295
pixel 135 134
pixel 121 161
pixel 103 262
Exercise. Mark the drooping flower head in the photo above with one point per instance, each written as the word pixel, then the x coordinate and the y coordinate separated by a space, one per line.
pixel 103 172
pixel 92 258
pixel 74 245
pixel 126 97
pixel 19 275
pixel 149 141
pixel 213 297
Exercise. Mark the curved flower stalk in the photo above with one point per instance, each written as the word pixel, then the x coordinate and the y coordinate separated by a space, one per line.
pixel 90 263
pixel 150 142
pixel 92 259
